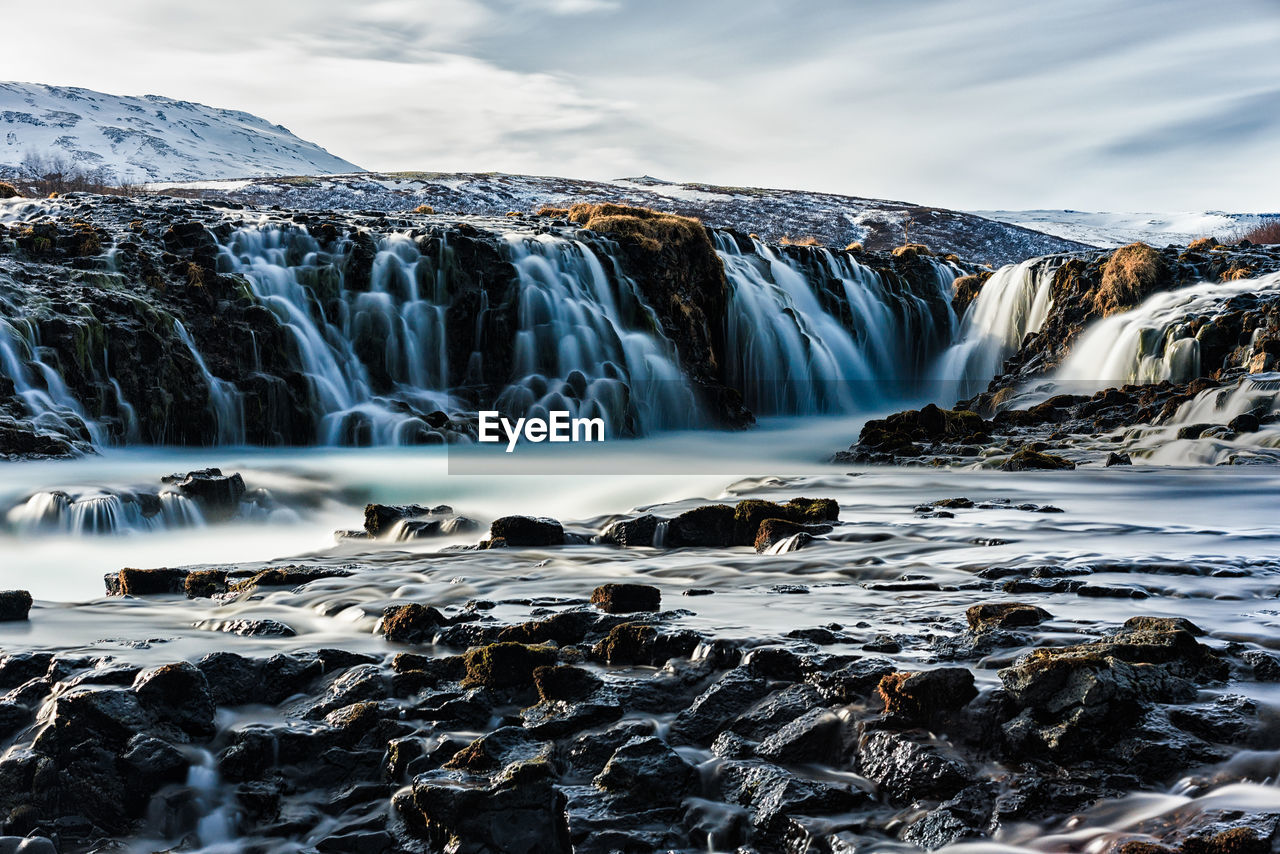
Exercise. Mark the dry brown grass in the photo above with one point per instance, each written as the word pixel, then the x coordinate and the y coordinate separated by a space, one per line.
pixel 1130 274
pixel 911 250
pixel 965 289
pixel 7 190
pixel 1202 244
pixel 514 213
pixel 424 209
pixel 649 228
pixel 801 241
pixel 552 211
pixel 855 246
pixel 1237 272
pixel 1268 232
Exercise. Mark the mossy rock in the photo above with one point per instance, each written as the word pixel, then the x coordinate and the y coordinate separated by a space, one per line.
pixel 411 623
pixel 205 583
pixel 1027 459
pixel 506 665
pixel 1004 615
pixel 564 682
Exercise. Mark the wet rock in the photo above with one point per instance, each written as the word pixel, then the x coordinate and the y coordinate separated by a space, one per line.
pixel 709 526
pixel 527 531
pixel 965 816
pixel 564 682
pixel 626 598
pixel 1246 422
pixel 1229 719
pixel 852 681
pixel 632 533
pixel 809 738
pixel 505 666
pixel 725 699
pixel 1027 459
pixel 906 769
pixel 205 583
pixel 645 771
pixel 520 812
pixel 564 629
pixel 774 711
pixel 771 794
pixel 917 697
pixel 638 643
pixel 218 495
pixel 232 679
pixel 379 519
pixel 152 763
pixel 1266 667
pixel 1118 459
pixel 177 694
pixel 287 576
pixel 773 531
pixel 498 749
pixel 411 623
pixel 587 754
pixel 1004 615
pixel 14 605
pixel 146 582
pixel 27 845
pixel 1163 624
pixel 254 628
pixel 1070 695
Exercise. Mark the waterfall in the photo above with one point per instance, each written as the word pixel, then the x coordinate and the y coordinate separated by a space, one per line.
pixel 589 349
pixel 42 392
pixel 101 511
pixel 372 357
pixel 1012 304
pixel 789 351
pixel 1152 342
pixel 225 403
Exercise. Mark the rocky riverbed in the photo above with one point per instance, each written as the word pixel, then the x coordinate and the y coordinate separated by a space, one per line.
pixel 833 662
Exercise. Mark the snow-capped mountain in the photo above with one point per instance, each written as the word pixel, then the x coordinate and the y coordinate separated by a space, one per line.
pixel 149 138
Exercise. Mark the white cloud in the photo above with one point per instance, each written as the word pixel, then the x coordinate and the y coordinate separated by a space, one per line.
pixel 980 104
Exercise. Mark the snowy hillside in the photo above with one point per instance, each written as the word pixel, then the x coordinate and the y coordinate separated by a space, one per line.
pixel 149 138
pixel 1117 229
pixel 775 215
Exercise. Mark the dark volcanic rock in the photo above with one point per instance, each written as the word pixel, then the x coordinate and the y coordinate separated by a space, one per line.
pixel 626 598
pixel 411 623
pixel 909 770
pixel 217 494
pixel 1027 459
pixel 527 531
pixel 710 526
pixel 919 697
pixel 177 694
pixel 1004 615
pixel 14 605
pixel 506 665
pixel 520 812
pixel 632 533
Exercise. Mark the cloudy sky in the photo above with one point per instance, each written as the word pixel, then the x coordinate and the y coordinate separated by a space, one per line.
pixel 1087 104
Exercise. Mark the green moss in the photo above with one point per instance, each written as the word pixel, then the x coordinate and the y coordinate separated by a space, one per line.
pixel 505 665
pixel 813 509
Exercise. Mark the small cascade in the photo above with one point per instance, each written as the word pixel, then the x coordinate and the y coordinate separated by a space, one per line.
pixel 373 357
pixel 226 405
pixel 589 344
pixel 794 348
pixel 1152 342
pixel 1012 304
pixel 37 384
pixel 103 512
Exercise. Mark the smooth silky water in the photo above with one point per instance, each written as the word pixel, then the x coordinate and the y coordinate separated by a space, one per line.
pixel 1199 542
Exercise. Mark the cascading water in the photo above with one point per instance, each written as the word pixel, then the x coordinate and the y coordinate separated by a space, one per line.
pixel 1154 341
pixel 391 335
pixel 1012 304
pixel 47 401
pixel 102 511
pixel 789 353
pixel 588 348
pixel 226 404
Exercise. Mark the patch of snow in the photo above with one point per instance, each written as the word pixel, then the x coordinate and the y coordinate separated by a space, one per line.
pixel 1110 229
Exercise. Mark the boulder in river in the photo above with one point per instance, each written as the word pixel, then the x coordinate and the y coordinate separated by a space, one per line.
pixel 218 495
pixel 626 598
pixel 411 623
pixel 14 605
pixel 1004 615
pixel 1028 459
pixel 917 697
pixel 527 531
